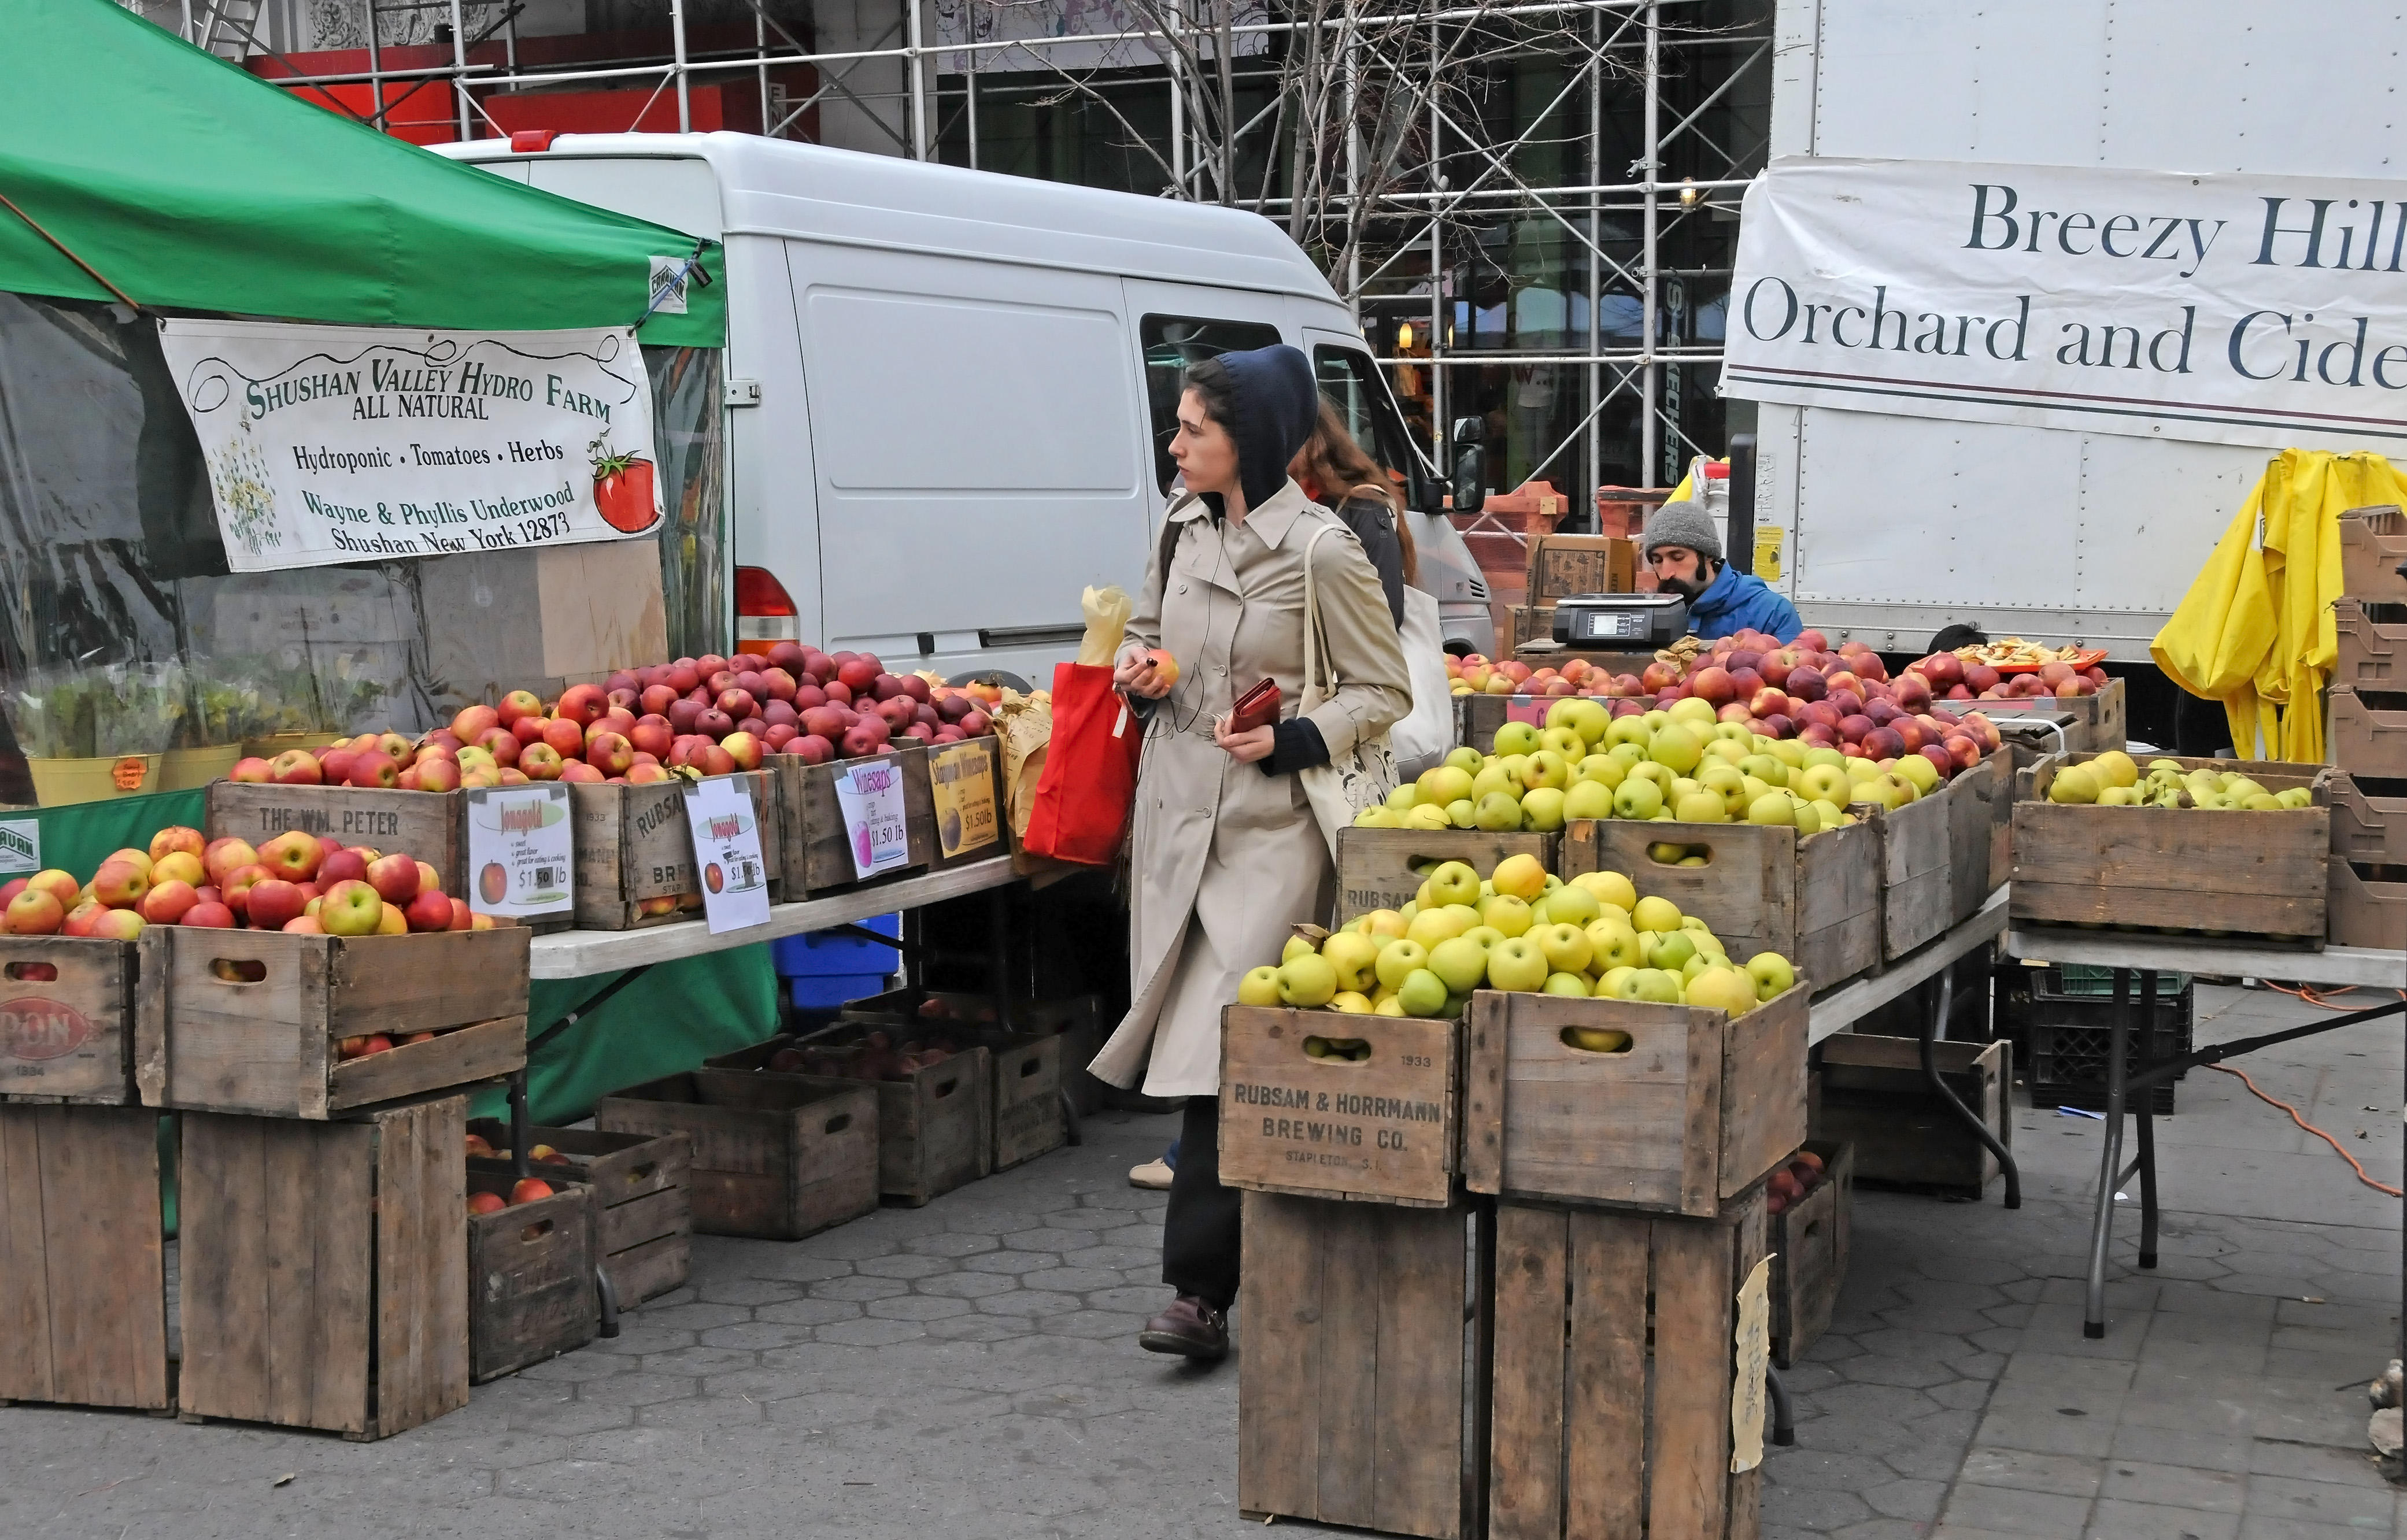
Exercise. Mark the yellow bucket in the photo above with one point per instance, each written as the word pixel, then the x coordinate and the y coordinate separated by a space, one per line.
pixel 187 768
pixel 276 743
pixel 58 783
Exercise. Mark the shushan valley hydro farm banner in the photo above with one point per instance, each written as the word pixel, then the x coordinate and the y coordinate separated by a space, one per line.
pixel 344 444
pixel 2231 308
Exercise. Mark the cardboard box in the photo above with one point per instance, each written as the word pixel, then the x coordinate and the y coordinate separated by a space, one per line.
pixel 1563 565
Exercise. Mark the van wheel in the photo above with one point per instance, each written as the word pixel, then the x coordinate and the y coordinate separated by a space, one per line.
pixel 1003 677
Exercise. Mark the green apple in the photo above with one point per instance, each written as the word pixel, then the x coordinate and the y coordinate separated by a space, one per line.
pixel 1774 807
pixel 1615 985
pixel 1722 989
pixel 1702 806
pixel 1492 779
pixel 1499 813
pixel 1629 756
pixel 1573 904
pixel 1615 946
pixel 1307 981
pixel 1260 987
pixel 1486 936
pixel 1588 718
pixel 1542 808
pixel 1517 963
pixel 1296 947
pixel 1610 888
pixel 1403 797
pixel 1398 960
pixel 1565 741
pixel 1655 914
pixel 1454 882
pixel 1441 784
pixel 1546 769
pixel 1655 985
pixel 1524 876
pixel 1509 916
pixel 1566 945
pixel 1637 799
pixel 1693 712
pixel 1424 816
pixel 1669 949
pixel 1821 754
pixel 1352 954
pixel 1676 748
pixel 1515 737
pixel 1568 984
pixel 1772 974
pixel 1467 759
pixel 1460 962
pixel 1589 799
pixel 1377 816
pixel 1602 769
pixel 1631 731
pixel 1919 770
pixel 1422 993
pixel 1462 813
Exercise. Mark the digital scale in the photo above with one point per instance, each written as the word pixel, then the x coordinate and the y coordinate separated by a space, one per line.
pixel 1621 622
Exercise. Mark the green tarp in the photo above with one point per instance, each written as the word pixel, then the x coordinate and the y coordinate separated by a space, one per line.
pixel 192 186
pixel 670 1019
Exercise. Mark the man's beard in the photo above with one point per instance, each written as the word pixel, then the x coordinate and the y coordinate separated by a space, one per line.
pixel 1687 588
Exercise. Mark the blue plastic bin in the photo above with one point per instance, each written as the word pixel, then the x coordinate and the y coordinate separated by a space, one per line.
pixel 828 990
pixel 807 956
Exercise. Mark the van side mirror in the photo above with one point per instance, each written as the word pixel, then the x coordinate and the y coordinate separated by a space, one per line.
pixel 1469 479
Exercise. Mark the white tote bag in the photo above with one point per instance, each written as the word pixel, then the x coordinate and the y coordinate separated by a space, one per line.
pixel 1361 778
pixel 1425 736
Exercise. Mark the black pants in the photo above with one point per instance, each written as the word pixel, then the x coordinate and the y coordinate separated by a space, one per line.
pixel 1200 1233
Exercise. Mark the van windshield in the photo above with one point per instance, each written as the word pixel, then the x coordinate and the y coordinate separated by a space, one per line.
pixel 1171 343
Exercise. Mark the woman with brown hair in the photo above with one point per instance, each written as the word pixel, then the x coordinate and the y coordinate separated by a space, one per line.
pixel 1334 472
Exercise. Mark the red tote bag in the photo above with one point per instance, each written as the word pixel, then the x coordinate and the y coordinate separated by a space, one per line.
pixel 1089 782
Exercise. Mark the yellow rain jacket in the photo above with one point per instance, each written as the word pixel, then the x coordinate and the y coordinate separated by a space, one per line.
pixel 2255 630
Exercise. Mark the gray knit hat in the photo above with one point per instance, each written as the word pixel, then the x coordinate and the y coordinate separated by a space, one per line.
pixel 1682 523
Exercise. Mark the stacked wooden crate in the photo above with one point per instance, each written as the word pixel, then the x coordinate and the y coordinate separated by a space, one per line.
pixel 2368 734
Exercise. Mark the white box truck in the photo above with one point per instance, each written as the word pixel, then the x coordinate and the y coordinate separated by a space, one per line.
pixel 1897 525
pixel 951 392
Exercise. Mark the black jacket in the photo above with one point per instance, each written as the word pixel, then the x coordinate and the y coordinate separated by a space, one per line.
pixel 1374 524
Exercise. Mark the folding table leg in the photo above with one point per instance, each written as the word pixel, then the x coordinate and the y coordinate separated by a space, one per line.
pixel 1933 1025
pixel 2147 1128
pixel 2110 1160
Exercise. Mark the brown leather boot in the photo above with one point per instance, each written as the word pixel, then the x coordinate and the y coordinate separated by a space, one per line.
pixel 1189 1328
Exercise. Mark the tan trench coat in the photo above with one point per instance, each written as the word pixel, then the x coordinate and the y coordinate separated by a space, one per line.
pixel 1226 858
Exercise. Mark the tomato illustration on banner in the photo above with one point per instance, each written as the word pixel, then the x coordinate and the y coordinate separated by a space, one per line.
pixel 727 848
pixel 622 488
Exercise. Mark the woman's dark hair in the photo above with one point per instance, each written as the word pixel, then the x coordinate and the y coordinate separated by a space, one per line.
pixel 1331 461
pixel 1209 378
pixel 1951 637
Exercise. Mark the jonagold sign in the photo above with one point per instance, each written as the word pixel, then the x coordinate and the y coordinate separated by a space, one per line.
pixel 2230 308
pixel 331 444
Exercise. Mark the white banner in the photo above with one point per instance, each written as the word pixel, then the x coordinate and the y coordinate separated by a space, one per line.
pixel 352 444
pixel 2231 308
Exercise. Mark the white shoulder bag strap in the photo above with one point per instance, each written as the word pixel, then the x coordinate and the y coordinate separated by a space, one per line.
pixel 1340 789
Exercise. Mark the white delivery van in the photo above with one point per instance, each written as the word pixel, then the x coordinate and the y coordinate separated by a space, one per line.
pixel 951 392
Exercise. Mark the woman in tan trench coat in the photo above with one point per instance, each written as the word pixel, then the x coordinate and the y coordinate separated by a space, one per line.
pixel 1228 854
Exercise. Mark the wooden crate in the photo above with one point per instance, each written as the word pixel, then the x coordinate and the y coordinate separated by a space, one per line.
pixel 1374 866
pixel 633 849
pixel 818 855
pixel 935 1129
pixel 776 1157
pixel 2367 734
pixel 325 1268
pixel 531 1291
pixel 2174 868
pixel 965 765
pixel 66 1020
pixel 1381 1130
pixel 642 1187
pixel 2366 908
pixel 1917 889
pixel 1350 1393
pixel 1565 565
pixel 1689 1116
pixel 1616 1372
pixel 428 826
pixel 2366 827
pixel 214 1043
pixel 1808 1255
pixel 1024 1075
pixel 1815 901
pixel 1075 1020
pixel 1529 623
pixel 83 1291
pixel 2373 544
pixel 1874 1098
pixel 1980 805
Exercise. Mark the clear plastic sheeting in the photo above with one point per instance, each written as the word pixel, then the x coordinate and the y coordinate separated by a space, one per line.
pixel 122 631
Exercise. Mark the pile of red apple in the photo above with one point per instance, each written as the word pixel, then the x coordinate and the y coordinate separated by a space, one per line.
pixel 824 706
pixel 1959 679
pixel 310 884
pixel 1788 1184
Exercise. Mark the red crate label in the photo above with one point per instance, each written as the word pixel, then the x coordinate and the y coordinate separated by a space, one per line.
pixel 35 1027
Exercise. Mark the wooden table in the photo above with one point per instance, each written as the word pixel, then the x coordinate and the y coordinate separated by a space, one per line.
pixel 2146 956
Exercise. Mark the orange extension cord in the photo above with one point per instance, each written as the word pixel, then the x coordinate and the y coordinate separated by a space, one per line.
pixel 2312 997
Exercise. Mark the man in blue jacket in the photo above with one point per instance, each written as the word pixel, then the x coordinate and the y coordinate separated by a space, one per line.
pixel 1686 555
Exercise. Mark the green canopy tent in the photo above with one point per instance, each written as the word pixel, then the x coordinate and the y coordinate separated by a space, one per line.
pixel 183 184
pixel 190 185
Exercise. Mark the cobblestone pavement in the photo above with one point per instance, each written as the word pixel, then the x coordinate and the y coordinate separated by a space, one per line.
pixel 966 1369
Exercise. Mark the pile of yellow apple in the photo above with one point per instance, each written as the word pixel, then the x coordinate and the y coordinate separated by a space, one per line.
pixel 2113 780
pixel 1520 928
pixel 1676 764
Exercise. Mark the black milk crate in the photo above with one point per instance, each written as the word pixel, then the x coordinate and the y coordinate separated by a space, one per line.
pixel 2068 1023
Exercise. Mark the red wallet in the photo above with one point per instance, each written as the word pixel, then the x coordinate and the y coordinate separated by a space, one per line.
pixel 1257 707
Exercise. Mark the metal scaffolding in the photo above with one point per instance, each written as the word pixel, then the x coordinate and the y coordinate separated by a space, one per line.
pixel 1416 245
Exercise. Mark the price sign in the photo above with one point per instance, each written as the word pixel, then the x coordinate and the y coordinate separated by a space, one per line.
pixel 727 853
pixel 520 851
pixel 1528 708
pixel 21 846
pixel 870 796
pixel 962 777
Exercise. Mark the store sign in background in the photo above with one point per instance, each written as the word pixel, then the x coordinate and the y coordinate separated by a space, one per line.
pixel 2244 309
pixel 330 444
